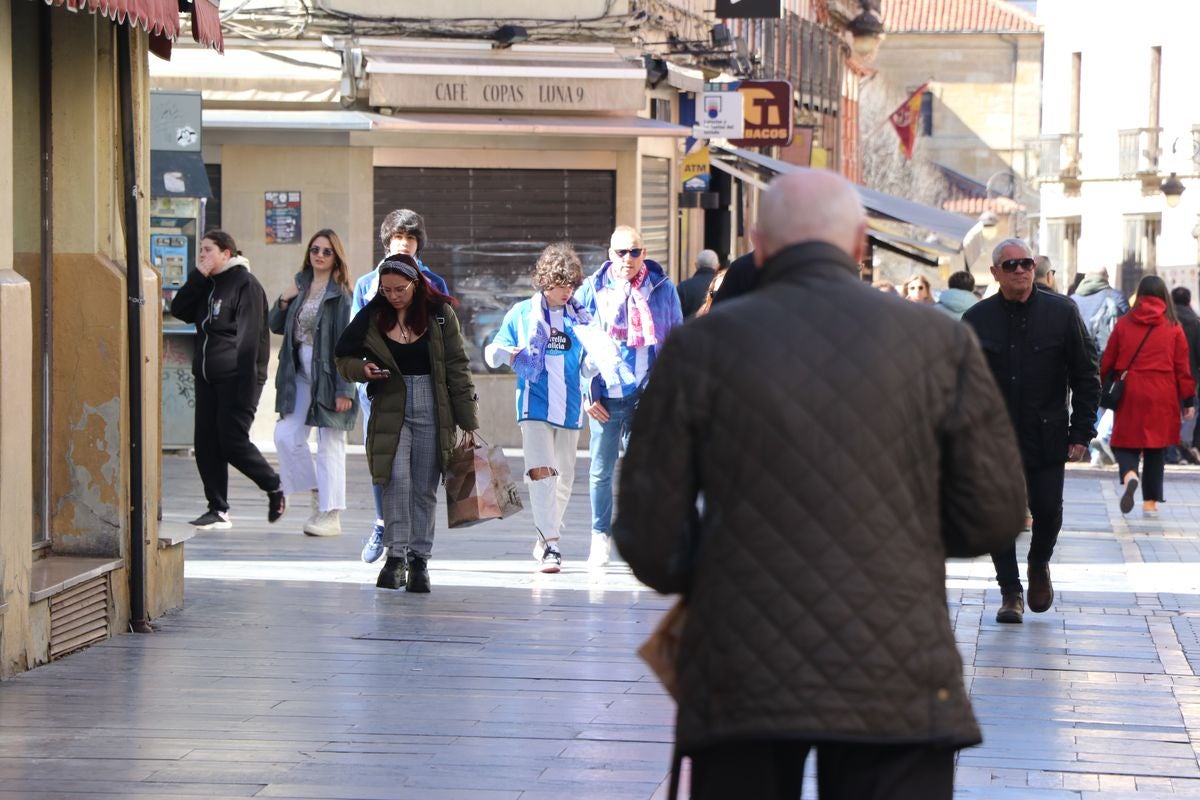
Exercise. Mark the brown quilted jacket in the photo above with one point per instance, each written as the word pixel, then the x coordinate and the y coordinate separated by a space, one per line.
pixel 845 443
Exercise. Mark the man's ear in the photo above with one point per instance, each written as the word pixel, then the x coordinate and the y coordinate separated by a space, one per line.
pixel 860 243
pixel 756 240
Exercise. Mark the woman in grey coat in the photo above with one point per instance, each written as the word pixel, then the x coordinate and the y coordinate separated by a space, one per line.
pixel 311 314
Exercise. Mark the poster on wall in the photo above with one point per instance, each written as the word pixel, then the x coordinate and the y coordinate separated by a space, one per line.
pixel 283 217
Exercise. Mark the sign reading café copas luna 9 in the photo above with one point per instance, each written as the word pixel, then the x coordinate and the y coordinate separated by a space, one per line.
pixel 508 93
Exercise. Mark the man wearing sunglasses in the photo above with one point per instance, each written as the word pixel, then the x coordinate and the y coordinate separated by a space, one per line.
pixel 635 302
pixel 1038 348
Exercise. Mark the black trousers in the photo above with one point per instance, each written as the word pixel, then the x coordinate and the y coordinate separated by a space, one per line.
pixel 774 770
pixel 1044 490
pixel 222 439
pixel 1152 475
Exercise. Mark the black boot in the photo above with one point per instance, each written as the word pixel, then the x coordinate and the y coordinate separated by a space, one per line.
pixel 392 575
pixel 418 575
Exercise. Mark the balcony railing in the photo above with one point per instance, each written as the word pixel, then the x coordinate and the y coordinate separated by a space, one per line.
pixel 1139 151
pixel 1053 157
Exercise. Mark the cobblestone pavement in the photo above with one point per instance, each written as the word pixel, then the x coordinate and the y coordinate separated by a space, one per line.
pixel 287 674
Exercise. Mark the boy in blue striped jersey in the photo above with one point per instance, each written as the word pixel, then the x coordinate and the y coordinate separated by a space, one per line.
pixel 550 342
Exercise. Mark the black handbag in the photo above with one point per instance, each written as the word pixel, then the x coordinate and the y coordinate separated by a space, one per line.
pixel 1114 385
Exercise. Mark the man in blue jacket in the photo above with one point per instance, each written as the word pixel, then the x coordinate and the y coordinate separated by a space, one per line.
pixel 637 305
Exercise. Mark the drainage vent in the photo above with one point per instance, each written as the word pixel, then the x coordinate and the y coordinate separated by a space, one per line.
pixel 79 617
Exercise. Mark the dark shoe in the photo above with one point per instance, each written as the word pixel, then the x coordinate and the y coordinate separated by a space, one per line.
pixel 212 521
pixel 1189 454
pixel 392 575
pixel 418 575
pixel 1041 590
pixel 1012 610
pixel 276 505
pixel 1131 485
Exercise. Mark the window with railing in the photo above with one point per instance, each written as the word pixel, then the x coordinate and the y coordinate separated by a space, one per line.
pixel 1138 151
pixel 1053 156
pixel 798 50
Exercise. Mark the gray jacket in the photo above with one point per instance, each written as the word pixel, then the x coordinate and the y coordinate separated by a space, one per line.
pixel 327 385
pixel 817 584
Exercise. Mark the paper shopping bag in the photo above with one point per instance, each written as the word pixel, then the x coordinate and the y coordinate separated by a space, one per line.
pixel 469 495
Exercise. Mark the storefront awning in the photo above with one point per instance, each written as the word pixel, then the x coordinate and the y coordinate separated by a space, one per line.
pixel 159 18
pixel 954 227
pixel 178 174
pixel 442 123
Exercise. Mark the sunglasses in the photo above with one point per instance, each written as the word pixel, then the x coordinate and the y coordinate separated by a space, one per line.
pixel 1014 264
pixel 636 252
pixel 320 251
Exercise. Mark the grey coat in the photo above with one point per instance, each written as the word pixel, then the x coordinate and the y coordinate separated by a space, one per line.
pixel 327 384
pixel 836 480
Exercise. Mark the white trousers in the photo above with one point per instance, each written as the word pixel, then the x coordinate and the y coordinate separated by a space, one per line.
pixel 296 469
pixel 549 446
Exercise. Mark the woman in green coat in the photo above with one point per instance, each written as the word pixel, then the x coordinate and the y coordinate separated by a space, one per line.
pixel 407 346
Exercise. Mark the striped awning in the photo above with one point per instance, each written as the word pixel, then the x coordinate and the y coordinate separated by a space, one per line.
pixel 159 18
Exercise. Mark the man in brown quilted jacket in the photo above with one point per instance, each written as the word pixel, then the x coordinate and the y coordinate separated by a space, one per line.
pixel 835 483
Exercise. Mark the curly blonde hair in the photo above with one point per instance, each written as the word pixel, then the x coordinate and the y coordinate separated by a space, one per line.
pixel 558 265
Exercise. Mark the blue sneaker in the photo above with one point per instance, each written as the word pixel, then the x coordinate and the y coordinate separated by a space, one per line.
pixel 373 549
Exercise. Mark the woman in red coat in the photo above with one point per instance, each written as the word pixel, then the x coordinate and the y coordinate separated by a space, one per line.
pixel 1158 382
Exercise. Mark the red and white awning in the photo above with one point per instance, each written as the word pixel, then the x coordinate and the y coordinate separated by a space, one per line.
pixel 159 18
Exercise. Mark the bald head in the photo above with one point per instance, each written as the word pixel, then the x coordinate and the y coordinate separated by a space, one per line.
pixel 810 205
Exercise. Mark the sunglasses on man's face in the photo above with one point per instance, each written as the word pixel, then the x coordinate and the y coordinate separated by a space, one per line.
pixel 320 251
pixel 1014 264
pixel 636 252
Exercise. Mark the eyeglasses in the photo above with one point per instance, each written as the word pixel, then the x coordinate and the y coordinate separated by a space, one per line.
pixel 1014 264
pixel 398 290
pixel 636 252
pixel 320 251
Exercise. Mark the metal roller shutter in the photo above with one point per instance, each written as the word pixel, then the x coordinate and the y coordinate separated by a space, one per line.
pixel 486 228
pixel 656 209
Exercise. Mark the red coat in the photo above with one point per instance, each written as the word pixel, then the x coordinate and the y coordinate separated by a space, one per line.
pixel 1158 381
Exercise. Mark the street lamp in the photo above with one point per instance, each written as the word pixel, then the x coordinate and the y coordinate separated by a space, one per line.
pixel 990 225
pixel 867 29
pixel 1172 189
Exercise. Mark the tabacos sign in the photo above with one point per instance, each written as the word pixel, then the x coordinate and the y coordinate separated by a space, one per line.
pixel 767 108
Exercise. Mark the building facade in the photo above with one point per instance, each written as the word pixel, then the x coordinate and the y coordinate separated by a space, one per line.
pixel 1114 129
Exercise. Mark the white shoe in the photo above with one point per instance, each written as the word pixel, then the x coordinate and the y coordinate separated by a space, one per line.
pixel 327 523
pixel 601 550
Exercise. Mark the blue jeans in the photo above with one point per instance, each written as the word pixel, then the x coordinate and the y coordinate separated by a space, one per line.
pixel 607 438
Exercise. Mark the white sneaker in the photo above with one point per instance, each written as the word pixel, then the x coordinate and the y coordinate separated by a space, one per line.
pixel 327 523
pixel 551 561
pixel 601 550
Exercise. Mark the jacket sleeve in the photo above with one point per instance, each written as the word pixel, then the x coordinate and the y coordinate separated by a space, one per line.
pixel 350 352
pixel 251 332
pixel 657 520
pixel 1183 368
pixel 458 373
pixel 341 319
pixel 1083 376
pixel 674 312
pixel 982 480
pixel 189 300
pixel 277 318
pixel 1112 351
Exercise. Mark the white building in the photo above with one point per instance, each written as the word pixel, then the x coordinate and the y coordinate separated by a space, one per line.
pixel 1119 114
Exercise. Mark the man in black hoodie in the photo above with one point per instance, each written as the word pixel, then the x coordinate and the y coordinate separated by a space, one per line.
pixel 1181 297
pixel 229 308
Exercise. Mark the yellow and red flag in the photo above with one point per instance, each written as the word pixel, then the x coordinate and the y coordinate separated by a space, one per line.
pixel 905 118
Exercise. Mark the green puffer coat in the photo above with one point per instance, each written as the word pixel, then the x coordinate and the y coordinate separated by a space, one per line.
pixel 327 385
pixel 454 391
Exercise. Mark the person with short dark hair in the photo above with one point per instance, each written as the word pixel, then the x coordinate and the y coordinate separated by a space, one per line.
pixel 1189 433
pixel 1045 365
pixel 1149 349
pixel 959 296
pixel 229 308
pixel 807 536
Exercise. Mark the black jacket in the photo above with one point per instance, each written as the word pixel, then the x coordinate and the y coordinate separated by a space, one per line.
pixel 1191 329
pixel 1039 351
pixel 836 480
pixel 694 290
pixel 232 339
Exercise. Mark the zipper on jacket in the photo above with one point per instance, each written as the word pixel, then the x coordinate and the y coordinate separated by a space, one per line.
pixel 204 326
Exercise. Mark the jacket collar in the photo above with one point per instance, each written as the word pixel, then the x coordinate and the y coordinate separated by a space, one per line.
pixel 304 279
pixel 807 258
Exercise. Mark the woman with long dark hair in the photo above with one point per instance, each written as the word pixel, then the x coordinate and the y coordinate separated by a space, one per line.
pixel 1149 347
pixel 229 308
pixel 311 314
pixel 407 346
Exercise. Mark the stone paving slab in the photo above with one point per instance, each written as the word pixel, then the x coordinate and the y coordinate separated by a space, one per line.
pixel 287 674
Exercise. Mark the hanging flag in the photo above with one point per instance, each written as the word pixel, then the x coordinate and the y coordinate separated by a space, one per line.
pixel 904 119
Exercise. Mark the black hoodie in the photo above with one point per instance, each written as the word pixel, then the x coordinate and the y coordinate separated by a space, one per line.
pixel 229 310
